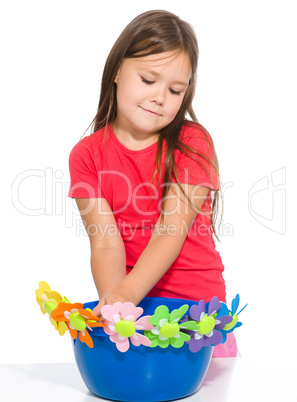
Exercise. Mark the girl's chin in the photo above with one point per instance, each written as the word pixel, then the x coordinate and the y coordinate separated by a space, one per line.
pixel 146 127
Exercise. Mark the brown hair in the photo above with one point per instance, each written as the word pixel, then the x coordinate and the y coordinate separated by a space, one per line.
pixel 154 32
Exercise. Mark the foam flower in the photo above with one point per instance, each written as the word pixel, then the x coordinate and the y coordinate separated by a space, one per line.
pixel 234 314
pixel 122 322
pixel 78 319
pixel 209 324
pixel 167 330
pixel 48 300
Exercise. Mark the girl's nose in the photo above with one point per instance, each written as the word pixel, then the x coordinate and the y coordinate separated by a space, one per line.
pixel 158 97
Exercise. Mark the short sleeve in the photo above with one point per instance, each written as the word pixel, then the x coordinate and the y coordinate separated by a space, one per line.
pixel 193 168
pixel 83 171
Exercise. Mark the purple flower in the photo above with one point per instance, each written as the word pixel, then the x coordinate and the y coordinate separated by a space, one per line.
pixel 209 324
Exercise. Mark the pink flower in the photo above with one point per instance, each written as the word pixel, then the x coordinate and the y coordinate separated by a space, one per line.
pixel 122 323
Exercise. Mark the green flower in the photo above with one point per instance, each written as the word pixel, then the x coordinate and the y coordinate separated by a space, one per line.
pixel 167 330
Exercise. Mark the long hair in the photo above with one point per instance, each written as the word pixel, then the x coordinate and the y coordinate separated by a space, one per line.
pixel 155 32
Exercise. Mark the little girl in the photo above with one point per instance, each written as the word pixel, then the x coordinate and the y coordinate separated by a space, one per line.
pixel 143 180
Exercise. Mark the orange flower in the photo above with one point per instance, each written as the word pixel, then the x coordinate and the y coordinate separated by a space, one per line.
pixel 78 320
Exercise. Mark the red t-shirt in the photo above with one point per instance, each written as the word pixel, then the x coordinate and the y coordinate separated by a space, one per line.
pixel 107 169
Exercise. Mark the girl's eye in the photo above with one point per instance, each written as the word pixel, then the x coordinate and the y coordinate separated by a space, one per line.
pixel 147 82
pixel 174 92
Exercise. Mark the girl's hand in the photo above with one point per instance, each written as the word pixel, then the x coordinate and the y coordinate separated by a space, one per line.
pixel 111 298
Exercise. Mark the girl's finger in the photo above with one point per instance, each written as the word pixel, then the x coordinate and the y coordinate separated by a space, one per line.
pixel 97 309
pixel 101 319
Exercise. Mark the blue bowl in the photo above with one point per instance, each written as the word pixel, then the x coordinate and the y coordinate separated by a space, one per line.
pixel 142 373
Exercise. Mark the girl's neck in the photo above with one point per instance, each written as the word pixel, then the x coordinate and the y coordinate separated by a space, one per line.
pixel 134 141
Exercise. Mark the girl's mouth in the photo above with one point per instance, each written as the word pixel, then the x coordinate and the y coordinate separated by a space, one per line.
pixel 149 111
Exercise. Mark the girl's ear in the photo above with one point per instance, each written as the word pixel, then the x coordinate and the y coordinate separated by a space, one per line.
pixel 116 77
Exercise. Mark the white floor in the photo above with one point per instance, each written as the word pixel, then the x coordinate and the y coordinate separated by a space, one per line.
pixel 228 380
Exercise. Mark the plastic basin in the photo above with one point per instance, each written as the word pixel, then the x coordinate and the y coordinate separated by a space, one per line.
pixel 142 374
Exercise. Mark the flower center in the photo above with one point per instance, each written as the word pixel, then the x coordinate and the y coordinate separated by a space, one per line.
pixel 169 330
pixel 125 328
pixel 49 306
pixel 206 325
pixel 77 321
pixel 232 323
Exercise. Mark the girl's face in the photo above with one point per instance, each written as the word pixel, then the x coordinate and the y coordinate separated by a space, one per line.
pixel 150 91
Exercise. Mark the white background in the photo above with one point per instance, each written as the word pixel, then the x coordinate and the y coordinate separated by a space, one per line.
pixel 53 53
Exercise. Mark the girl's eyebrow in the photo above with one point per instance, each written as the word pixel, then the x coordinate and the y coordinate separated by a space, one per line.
pixel 174 82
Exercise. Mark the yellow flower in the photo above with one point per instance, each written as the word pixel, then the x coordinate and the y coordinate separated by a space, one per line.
pixel 61 327
pixel 48 300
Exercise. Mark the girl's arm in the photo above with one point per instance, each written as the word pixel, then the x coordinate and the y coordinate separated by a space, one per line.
pixel 108 256
pixel 163 247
